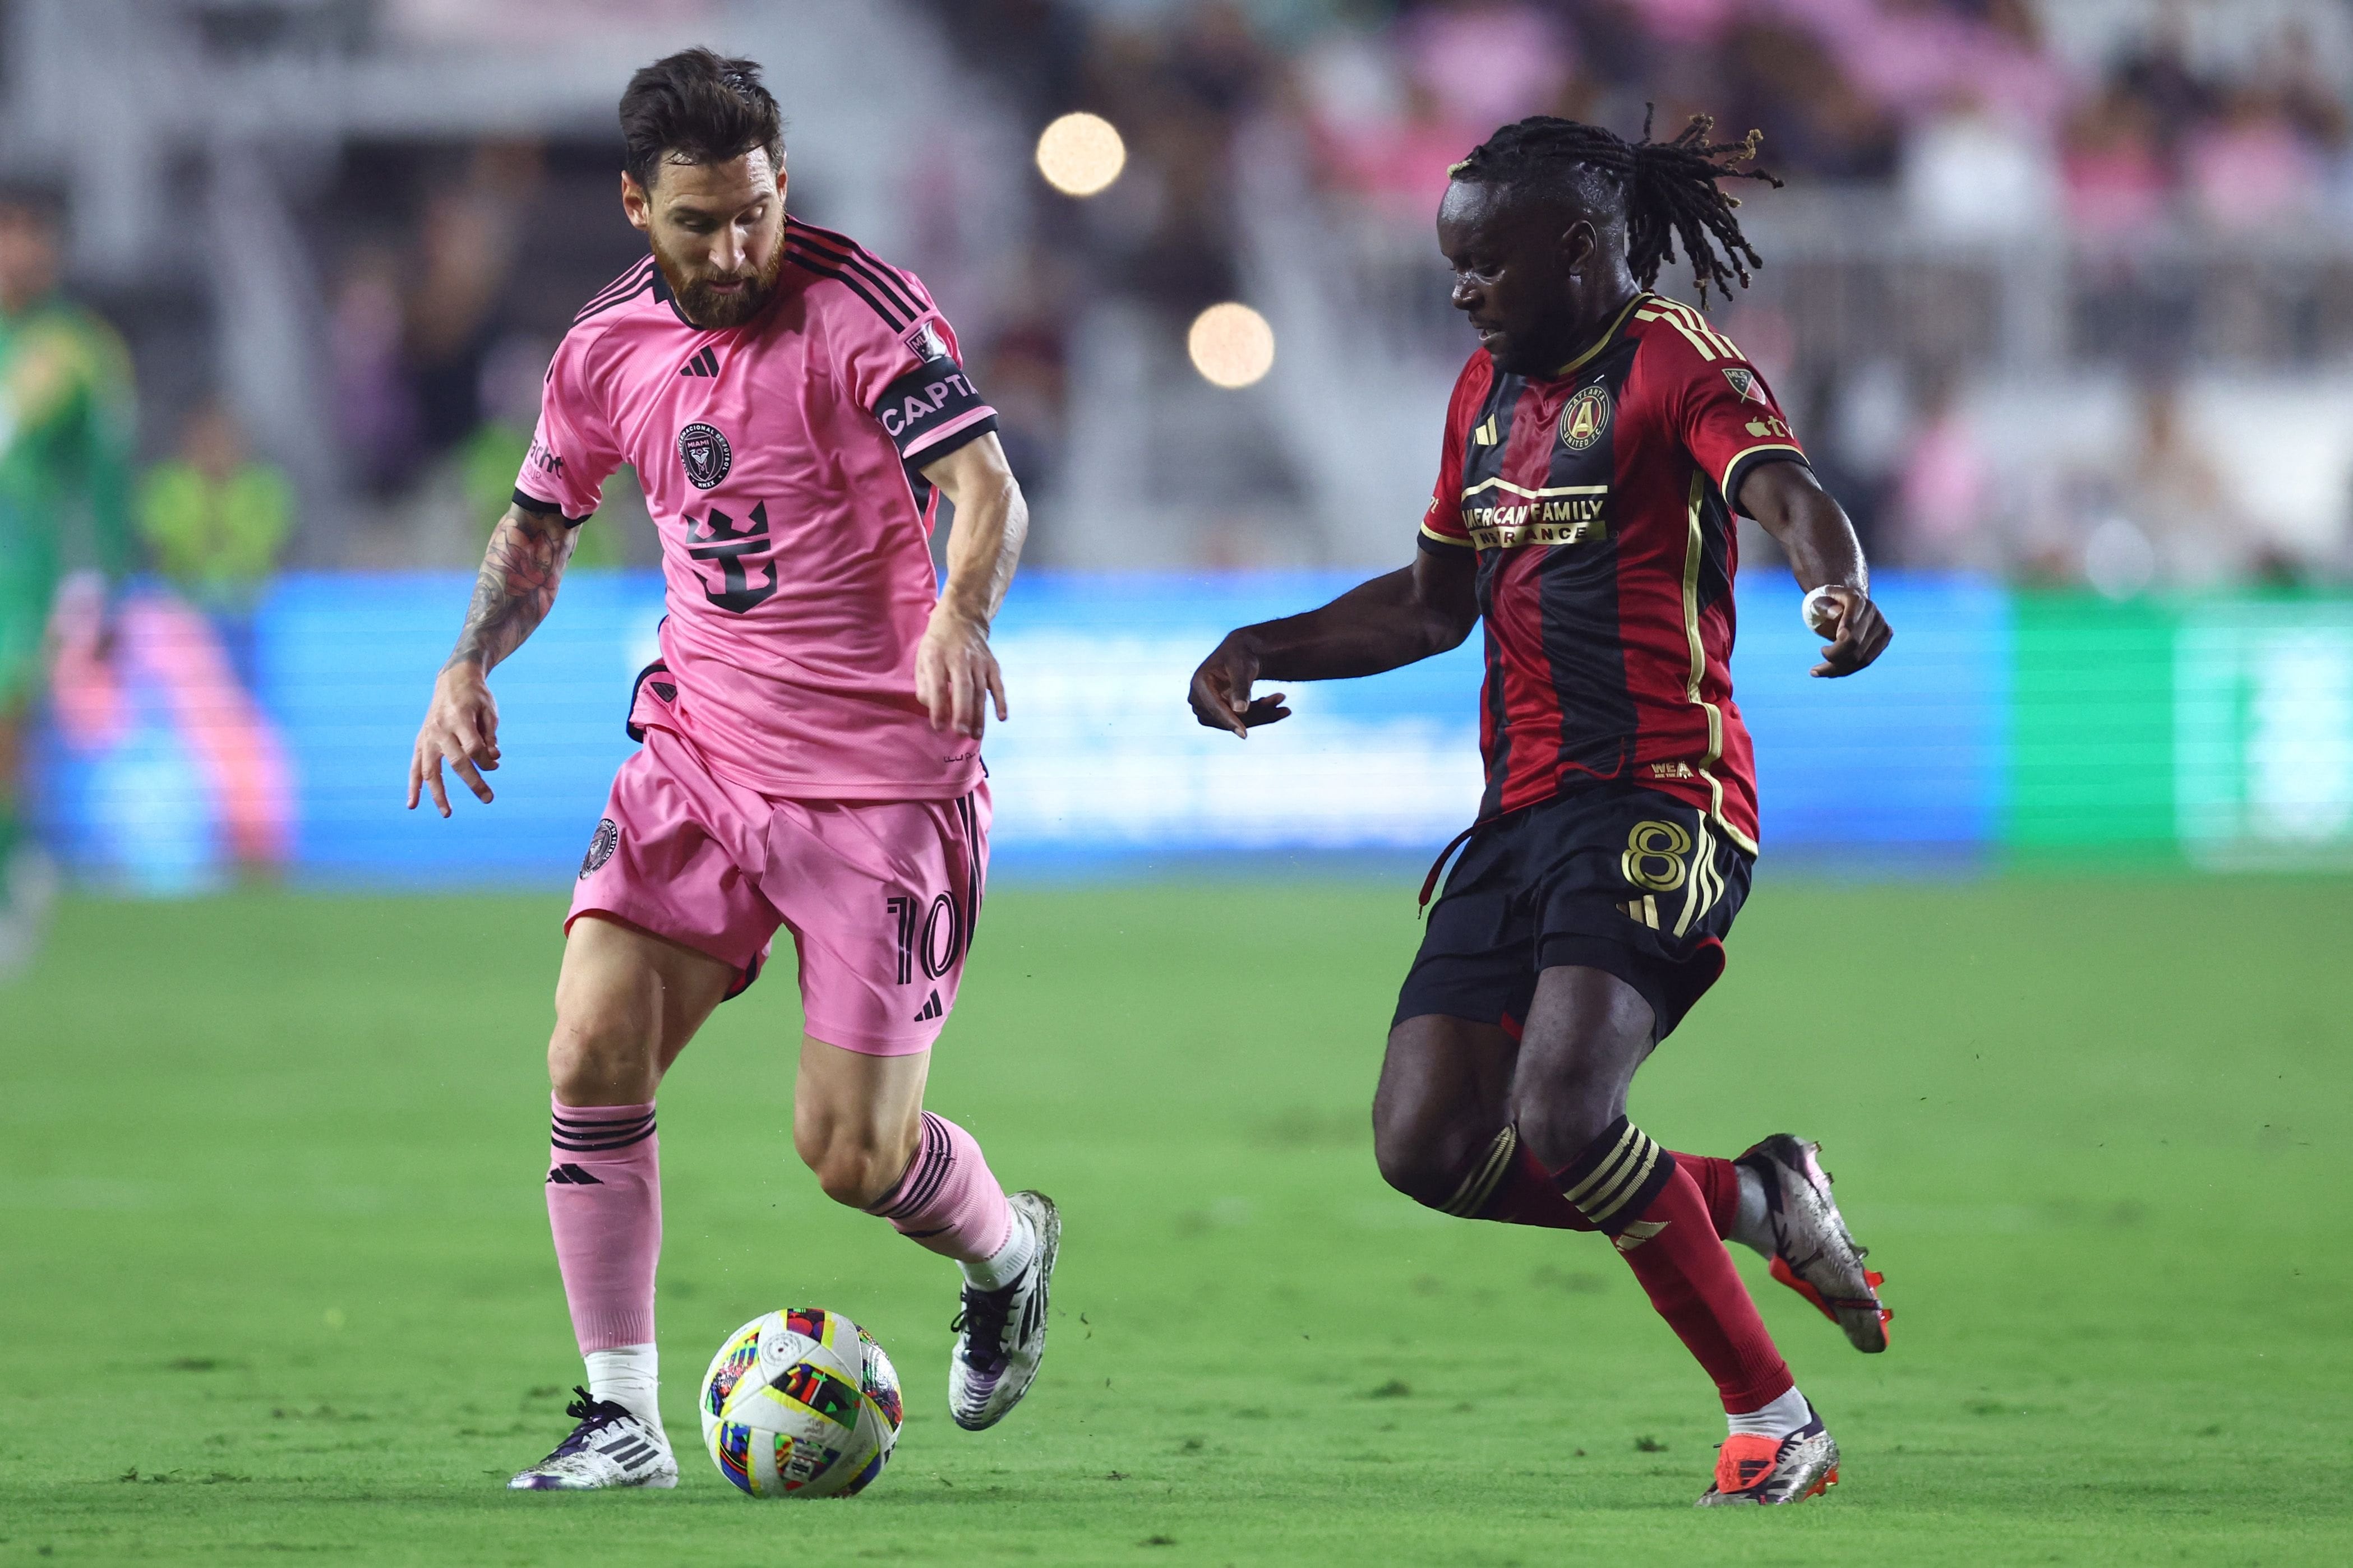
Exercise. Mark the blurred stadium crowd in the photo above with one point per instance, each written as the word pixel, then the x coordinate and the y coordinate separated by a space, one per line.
pixel 2179 178
pixel 2061 290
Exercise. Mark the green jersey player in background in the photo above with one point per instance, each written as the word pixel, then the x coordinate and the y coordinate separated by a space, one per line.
pixel 65 429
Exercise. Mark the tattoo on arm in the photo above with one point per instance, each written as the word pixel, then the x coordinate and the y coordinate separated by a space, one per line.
pixel 521 571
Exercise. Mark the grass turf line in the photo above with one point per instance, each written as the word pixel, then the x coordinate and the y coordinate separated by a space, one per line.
pixel 276 1282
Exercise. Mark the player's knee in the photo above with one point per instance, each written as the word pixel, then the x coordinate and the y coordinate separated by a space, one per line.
pixel 593 1058
pixel 1416 1163
pixel 853 1170
pixel 1558 1121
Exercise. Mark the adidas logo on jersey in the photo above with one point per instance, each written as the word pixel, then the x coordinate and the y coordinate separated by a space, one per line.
pixel 931 1009
pixel 569 1175
pixel 705 363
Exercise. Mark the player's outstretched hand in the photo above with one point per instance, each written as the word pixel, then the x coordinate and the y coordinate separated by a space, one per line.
pixel 461 727
pixel 1222 690
pixel 1860 635
pixel 956 672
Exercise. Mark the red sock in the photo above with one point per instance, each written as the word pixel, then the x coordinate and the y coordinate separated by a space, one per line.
pixel 1719 1184
pixel 1638 1194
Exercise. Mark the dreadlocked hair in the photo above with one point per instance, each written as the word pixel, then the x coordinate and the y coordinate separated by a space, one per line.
pixel 1669 188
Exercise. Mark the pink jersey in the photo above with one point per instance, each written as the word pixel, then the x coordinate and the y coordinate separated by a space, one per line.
pixel 779 459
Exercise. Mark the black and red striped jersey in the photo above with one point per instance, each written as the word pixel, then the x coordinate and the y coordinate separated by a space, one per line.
pixel 1596 499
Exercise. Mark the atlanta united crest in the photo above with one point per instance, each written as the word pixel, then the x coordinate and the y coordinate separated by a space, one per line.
pixel 1585 418
pixel 705 454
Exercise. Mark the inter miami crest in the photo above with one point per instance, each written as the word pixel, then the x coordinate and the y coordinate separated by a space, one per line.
pixel 1585 418
pixel 600 847
pixel 704 452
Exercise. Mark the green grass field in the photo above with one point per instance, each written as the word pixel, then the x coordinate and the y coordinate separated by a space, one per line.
pixel 276 1285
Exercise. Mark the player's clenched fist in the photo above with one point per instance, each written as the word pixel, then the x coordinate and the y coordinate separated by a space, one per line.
pixel 957 675
pixel 1222 690
pixel 461 728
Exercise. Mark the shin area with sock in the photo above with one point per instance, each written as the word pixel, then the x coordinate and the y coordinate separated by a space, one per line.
pixel 604 1205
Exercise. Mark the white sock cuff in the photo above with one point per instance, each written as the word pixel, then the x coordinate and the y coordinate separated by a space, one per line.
pixel 628 1375
pixel 1751 1226
pixel 1003 1266
pixel 1784 1416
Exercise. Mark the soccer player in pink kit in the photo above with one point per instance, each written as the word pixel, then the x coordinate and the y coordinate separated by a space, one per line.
pixel 794 408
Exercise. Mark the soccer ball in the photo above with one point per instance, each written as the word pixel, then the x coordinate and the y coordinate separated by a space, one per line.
pixel 800 1403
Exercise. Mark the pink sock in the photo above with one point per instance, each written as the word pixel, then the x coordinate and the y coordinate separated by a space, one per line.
pixel 948 1201
pixel 603 1203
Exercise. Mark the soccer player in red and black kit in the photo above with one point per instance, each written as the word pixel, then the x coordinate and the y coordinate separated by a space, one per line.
pixel 1598 445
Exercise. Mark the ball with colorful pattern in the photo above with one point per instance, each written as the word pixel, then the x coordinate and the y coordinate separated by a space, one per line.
pixel 800 1403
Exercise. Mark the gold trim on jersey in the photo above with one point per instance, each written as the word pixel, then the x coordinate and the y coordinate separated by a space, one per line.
pixel 1500 483
pixel 1694 551
pixel 1723 482
pixel 1430 532
pixel 1573 366
pixel 1712 344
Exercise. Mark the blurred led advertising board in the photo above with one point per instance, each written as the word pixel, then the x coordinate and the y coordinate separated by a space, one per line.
pixel 2220 733
pixel 2262 734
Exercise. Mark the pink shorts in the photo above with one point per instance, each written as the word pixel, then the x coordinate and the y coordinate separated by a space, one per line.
pixel 879 895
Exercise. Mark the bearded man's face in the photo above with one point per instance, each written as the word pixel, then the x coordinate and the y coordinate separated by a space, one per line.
pixel 717 232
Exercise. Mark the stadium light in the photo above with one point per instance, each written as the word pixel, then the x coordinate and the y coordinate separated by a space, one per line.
pixel 1080 154
pixel 1231 345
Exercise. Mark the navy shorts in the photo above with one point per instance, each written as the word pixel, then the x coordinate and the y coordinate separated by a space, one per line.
pixel 1609 876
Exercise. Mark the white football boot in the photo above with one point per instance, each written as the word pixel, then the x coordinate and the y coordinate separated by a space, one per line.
pixel 612 1446
pixel 1812 1251
pixel 1001 1334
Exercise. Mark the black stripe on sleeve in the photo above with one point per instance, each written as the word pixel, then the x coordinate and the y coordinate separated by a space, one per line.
pixel 845 251
pixel 538 508
pixel 893 319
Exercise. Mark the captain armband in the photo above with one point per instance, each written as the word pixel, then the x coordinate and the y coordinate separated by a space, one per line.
pixel 933 408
